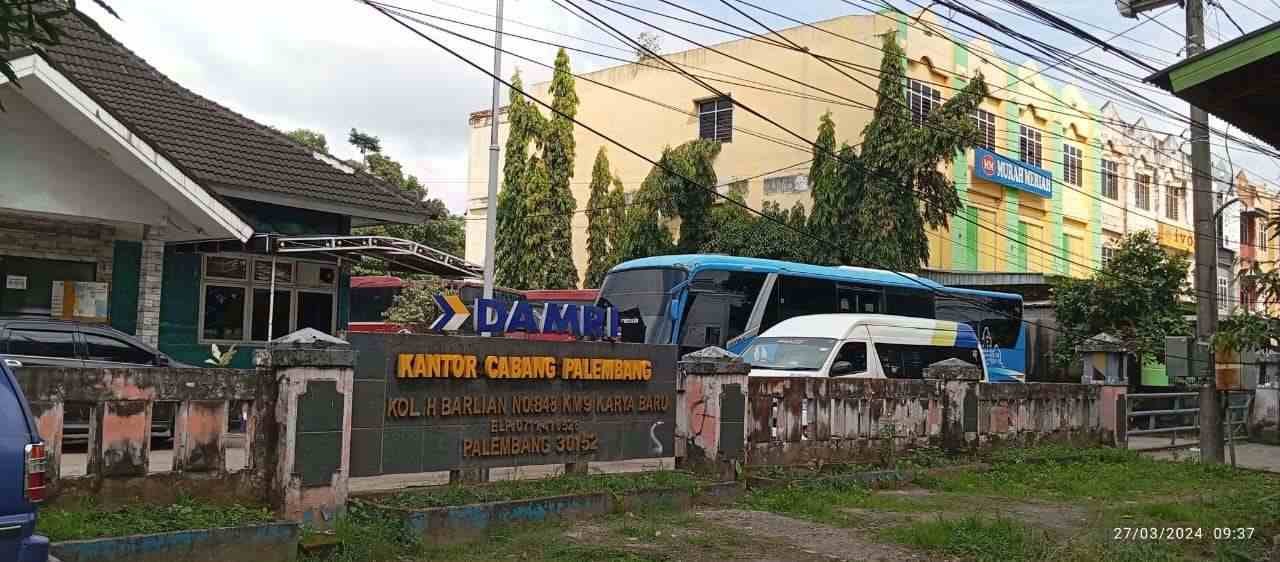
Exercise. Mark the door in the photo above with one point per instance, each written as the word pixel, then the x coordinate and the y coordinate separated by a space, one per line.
pixel 987 250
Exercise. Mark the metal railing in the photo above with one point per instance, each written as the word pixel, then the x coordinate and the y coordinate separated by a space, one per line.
pixel 1184 404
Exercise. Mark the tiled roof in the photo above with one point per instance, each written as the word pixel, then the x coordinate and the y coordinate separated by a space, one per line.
pixel 212 144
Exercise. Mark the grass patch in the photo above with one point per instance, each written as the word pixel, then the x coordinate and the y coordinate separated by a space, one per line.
pixel 460 494
pixel 994 540
pixel 87 520
pixel 815 500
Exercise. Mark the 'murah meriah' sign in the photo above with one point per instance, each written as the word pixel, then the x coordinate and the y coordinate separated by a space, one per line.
pixel 426 403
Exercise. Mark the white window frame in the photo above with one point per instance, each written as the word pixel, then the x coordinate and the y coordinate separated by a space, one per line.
pixel 1175 199
pixel 714 114
pixel 986 128
pixel 1111 179
pixel 922 100
pixel 1138 190
pixel 1072 164
pixel 1031 137
pixel 248 284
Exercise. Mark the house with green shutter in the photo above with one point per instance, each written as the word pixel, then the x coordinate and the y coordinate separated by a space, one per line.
pixel 129 200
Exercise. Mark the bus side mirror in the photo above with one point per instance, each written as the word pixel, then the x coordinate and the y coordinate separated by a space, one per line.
pixel 841 368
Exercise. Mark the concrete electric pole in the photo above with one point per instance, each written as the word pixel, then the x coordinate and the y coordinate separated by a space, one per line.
pixel 1206 241
pixel 1206 251
pixel 491 211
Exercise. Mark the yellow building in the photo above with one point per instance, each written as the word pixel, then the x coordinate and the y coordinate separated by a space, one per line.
pixel 1031 195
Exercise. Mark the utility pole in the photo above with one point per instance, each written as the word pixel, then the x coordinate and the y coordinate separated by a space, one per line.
pixel 1206 237
pixel 491 211
pixel 1206 257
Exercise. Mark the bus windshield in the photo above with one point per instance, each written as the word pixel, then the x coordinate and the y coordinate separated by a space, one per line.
pixel 641 299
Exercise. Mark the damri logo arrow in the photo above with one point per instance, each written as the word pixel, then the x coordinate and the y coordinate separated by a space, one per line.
pixel 452 313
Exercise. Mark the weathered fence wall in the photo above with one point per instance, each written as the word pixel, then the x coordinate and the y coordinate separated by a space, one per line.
pixel 120 404
pixel 800 420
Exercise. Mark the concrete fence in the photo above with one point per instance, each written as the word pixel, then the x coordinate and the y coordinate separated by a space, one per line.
pixel 730 417
pixel 296 438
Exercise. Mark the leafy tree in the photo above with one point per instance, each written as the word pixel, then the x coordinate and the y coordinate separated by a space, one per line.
pixel 365 142
pixel 599 222
pixel 775 235
pixel 554 208
pixel 517 263
pixel 310 139
pixel 415 307
pixel 1133 297
pixel 392 172
pixel 651 41
pixel 895 186
pixel 31 24
pixel 829 195
pixel 617 203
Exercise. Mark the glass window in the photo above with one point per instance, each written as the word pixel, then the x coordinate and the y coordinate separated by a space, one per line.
pixel 986 129
pixel 224 312
pixel 262 272
pixel 923 100
pixel 104 348
pixel 796 183
pixel 902 361
pixel 261 309
pixel 1031 146
pixel 224 267
pixel 1072 164
pixel 864 300
pixel 799 296
pixel 1142 192
pixel 855 352
pixel 998 320
pixel 1110 179
pixel 315 310
pixel 1108 251
pixel 1174 198
pixel 715 119
pixel 719 306
pixel 641 298
pixel 789 354
pixel 918 304
pixel 42 343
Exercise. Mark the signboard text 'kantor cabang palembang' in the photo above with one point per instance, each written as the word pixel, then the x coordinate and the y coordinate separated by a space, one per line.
pixel 425 403
pixel 491 315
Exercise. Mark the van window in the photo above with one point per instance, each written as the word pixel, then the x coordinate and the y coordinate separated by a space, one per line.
pixel 799 296
pixel 42 343
pixel 901 361
pixel 854 352
pixel 719 306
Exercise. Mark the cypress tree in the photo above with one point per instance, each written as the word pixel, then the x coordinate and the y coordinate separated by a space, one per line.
pixel 556 207
pixel 599 221
pixel 517 268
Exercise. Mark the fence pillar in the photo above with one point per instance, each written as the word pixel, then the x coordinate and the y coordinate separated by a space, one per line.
pixel 198 436
pixel 311 438
pixel 711 416
pixel 49 419
pixel 1114 414
pixel 120 441
pixel 959 380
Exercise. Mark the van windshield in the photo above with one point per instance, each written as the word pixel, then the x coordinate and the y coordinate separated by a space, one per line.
pixel 789 354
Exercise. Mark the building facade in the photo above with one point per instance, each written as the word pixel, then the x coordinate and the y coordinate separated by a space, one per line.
pixel 130 201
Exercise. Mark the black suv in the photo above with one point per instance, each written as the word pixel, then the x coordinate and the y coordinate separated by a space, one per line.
pixel 61 343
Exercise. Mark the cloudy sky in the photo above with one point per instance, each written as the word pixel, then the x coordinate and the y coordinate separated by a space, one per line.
pixel 331 65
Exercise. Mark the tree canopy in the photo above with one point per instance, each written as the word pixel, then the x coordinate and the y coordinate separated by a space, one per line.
pixel 515 258
pixel 1134 297
pixel 365 142
pixel 599 221
pixel 310 139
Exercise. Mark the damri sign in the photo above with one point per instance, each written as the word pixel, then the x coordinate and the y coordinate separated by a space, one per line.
pixel 495 316
pixel 1018 175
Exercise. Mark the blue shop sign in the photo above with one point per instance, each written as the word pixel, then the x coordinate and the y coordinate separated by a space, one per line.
pixel 492 315
pixel 1018 175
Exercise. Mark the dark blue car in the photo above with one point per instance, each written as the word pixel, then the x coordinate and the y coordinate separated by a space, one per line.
pixel 22 475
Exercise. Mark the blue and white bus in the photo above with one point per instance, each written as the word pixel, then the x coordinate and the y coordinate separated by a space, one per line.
pixel 701 300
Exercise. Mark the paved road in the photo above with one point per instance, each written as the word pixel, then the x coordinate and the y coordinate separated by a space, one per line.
pixel 1249 455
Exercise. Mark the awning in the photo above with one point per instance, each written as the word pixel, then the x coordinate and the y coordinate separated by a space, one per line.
pixel 1236 81
pixel 399 254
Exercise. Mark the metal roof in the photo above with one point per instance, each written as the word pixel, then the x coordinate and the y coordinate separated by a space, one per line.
pixel 399 254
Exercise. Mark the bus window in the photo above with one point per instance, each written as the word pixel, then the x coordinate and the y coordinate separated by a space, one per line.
pixel 718 307
pixel 641 297
pixel 863 300
pixel 799 296
pixel 913 303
